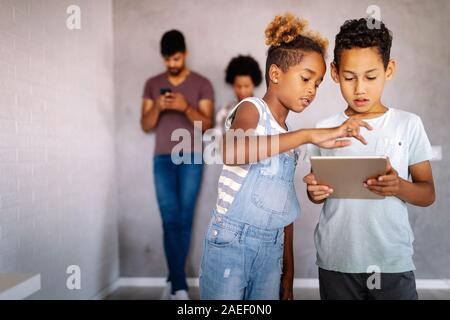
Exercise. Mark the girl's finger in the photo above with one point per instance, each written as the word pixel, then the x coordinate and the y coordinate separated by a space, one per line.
pixel 342 143
pixel 365 124
pixel 360 138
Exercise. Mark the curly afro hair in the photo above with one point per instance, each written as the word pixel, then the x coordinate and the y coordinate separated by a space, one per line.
pixel 243 66
pixel 356 33
pixel 289 38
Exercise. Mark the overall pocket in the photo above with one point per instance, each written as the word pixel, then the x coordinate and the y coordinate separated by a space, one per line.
pixel 220 237
pixel 271 194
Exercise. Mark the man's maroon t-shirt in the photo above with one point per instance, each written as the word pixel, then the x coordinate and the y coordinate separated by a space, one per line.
pixel 194 88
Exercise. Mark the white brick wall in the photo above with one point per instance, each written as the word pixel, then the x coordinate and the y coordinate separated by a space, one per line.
pixel 57 154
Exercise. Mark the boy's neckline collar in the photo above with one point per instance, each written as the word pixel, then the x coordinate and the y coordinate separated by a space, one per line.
pixel 370 119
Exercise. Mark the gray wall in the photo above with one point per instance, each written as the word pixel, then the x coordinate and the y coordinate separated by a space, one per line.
pixel 216 31
pixel 58 196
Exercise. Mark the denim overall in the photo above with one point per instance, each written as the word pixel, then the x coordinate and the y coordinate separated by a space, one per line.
pixel 243 248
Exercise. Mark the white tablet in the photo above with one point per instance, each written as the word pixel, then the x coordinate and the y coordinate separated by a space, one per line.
pixel 346 175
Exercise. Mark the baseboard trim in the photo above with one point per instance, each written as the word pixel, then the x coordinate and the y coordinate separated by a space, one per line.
pixel 300 283
pixel 107 290
pixel 18 286
pixel 433 284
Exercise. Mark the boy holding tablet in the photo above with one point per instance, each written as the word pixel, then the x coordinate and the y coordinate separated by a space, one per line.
pixel 355 237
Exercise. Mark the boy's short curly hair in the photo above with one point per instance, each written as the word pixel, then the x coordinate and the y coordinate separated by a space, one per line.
pixel 356 33
pixel 243 66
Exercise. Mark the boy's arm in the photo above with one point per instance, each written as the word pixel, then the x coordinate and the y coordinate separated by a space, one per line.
pixel 419 192
pixel 287 278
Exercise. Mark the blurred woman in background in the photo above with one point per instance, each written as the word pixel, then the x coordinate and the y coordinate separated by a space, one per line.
pixel 244 74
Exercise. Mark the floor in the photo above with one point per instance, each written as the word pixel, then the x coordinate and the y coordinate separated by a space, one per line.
pixel 153 293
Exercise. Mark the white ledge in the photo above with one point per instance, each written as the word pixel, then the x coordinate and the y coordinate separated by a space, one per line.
pixel 18 286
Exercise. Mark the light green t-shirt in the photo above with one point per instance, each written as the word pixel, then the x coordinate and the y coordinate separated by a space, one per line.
pixel 354 235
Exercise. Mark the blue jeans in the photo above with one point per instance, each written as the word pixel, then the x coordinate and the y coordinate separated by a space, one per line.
pixel 241 262
pixel 177 187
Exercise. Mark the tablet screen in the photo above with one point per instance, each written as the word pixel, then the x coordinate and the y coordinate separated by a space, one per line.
pixel 346 175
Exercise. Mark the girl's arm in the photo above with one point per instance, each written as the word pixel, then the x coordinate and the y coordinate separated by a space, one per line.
pixel 287 278
pixel 242 148
pixel 419 192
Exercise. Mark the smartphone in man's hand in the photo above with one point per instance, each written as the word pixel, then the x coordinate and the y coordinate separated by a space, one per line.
pixel 163 91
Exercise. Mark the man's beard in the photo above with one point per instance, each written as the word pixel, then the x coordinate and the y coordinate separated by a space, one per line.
pixel 175 71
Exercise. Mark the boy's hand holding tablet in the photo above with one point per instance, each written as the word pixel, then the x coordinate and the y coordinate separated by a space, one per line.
pixel 333 178
pixel 386 185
